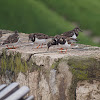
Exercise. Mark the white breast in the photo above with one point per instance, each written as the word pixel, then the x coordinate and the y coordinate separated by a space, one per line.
pixel 66 45
pixel 40 41
pixel 74 36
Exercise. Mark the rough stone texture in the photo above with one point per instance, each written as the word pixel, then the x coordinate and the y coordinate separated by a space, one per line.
pixel 88 91
pixel 30 80
pixel 44 90
pixel 52 79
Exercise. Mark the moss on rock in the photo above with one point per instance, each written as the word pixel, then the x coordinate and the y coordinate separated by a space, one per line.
pixel 12 64
pixel 83 69
pixel 56 63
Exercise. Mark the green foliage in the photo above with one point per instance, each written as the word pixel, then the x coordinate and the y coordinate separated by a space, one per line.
pixel 84 12
pixel 31 16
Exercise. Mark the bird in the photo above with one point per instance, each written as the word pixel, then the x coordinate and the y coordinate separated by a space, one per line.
pixel 0 34
pixel 73 33
pixel 54 41
pixel 62 41
pixel 14 38
pixel 39 38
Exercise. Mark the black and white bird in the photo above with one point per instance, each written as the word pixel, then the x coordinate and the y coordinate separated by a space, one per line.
pixel 62 41
pixel 39 38
pixel 14 38
pixel 73 33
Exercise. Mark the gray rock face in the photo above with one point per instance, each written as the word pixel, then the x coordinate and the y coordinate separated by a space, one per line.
pixel 52 75
pixel 88 91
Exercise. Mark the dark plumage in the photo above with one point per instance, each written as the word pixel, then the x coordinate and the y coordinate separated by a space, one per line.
pixel 32 37
pixel 12 38
pixel 42 36
pixel 54 41
pixel 63 40
pixel 68 34
pixel 72 32
pixel 60 40
pixel 77 30
pixel 60 36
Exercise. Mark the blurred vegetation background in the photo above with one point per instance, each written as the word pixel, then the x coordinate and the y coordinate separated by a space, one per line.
pixel 53 17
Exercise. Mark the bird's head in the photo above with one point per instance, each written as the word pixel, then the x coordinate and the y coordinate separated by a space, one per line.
pixel 16 31
pixel 78 29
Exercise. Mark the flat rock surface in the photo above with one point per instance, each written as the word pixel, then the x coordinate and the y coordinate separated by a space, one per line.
pixel 28 47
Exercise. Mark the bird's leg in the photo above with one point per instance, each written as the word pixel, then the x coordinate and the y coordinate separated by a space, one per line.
pixel 41 45
pixel 7 47
pixel 61 49
pixel 72 44
pixel 14 47
pixel 38 47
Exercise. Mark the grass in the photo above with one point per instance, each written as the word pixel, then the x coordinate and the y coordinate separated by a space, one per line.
pixel 31 16
pixel 84 12
pixel 35 16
